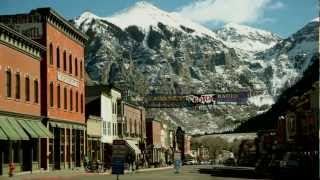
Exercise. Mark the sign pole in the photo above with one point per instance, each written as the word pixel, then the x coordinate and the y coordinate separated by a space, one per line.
pixel 117 176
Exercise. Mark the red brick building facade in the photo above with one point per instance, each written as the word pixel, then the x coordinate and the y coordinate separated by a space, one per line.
pixel 20 102
pixel 62 84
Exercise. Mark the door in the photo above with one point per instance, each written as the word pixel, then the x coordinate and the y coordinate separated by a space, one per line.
pixel 56 143
pixel 27 155
pixel 78 149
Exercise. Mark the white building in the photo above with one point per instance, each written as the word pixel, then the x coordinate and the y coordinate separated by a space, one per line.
pixel 109 112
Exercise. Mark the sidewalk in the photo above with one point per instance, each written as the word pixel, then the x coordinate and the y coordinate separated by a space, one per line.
pixel 70 173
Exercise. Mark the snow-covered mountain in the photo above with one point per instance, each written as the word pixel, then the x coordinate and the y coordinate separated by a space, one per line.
pixel 149 50
pixel 247 38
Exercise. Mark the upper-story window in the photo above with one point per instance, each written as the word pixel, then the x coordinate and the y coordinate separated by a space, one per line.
pixel 51 53
pixel 58 57
pixel 70 64
pixel 81 103
pixel 58 96
pixel 81 70
pixel 76 67
pixel 77 101
pixel 36 91
pixel 8 83
pixel 51 94
pixel 65 97
pixel 64 60
pixel 17 86
pixel 71 100
pixel 27 89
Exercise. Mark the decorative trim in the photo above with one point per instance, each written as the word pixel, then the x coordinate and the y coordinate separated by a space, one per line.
pixel 13 39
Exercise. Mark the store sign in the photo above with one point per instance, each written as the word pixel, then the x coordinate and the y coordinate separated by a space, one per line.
pixel 119 152
pixel 68 79
pixel 202 101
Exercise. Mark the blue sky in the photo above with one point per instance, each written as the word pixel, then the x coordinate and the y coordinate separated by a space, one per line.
pixel 283 17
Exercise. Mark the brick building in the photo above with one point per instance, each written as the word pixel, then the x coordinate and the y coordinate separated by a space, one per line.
pixel 62 84
pixel 153 132
pixel 20 116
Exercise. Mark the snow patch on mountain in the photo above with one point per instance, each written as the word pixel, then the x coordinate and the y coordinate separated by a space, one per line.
pixel 246 38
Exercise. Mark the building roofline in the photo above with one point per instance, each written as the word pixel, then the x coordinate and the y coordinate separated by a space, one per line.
pixel 23 37
pixel 56 14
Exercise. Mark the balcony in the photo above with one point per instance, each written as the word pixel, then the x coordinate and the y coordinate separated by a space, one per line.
pixel 120 119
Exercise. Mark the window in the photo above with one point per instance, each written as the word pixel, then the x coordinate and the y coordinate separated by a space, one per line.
pixel 58 57
pixel 71 100
pixel 36 91
pixel 81 72
pixel 58 96
pixel 81 103
pixel 65 97
pixel 8 83
pixel 109 128
pixel 27 89
pixel 104 128
pixel 77 102
pixel 76 67
pixel 70 64
pixel 51 53
pixel 17 86
pixel 51 94
pixel 64 60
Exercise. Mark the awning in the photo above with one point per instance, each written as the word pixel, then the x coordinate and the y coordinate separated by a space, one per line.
pixel 67 125
pixel 42 130
pixel 133 146
pixel 2 135
pixel 12 129
pixel 34 128
pixel 28 129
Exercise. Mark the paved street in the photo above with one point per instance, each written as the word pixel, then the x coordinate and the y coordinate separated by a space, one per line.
pixel 187 173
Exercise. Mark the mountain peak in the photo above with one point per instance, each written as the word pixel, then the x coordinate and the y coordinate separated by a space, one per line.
pixel 144 5
pixel 246 38
pixel 144 15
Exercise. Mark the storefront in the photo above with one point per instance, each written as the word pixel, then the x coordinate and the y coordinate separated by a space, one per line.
pixel 94 145
pixel 20 143
pixel 67 148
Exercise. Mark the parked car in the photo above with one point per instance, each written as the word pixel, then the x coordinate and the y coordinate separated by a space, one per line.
pixel 189 162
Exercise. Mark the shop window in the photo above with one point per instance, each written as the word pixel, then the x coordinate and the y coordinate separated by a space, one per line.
pixel 58 57
pixel 77 102
pixel 8 83
pixel 35 155
pixel 27 89
pixel 70 64
pixel 51 94
pixel 64 61
pixel 36 91
pixel 58 96
pixel 51 54
pixel 76 67
pixel 71 100
pixel 65 97
pixel 17 86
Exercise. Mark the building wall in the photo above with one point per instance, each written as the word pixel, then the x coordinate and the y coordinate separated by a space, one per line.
pixel 73 48
pixel 25 65
pixel 115 96
pixel 156 133
pixel 187 144
pixel 106 115
pixel 94 127
pixel 132 117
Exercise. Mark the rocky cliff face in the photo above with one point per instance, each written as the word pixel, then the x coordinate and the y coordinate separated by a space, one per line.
pixel 148 50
